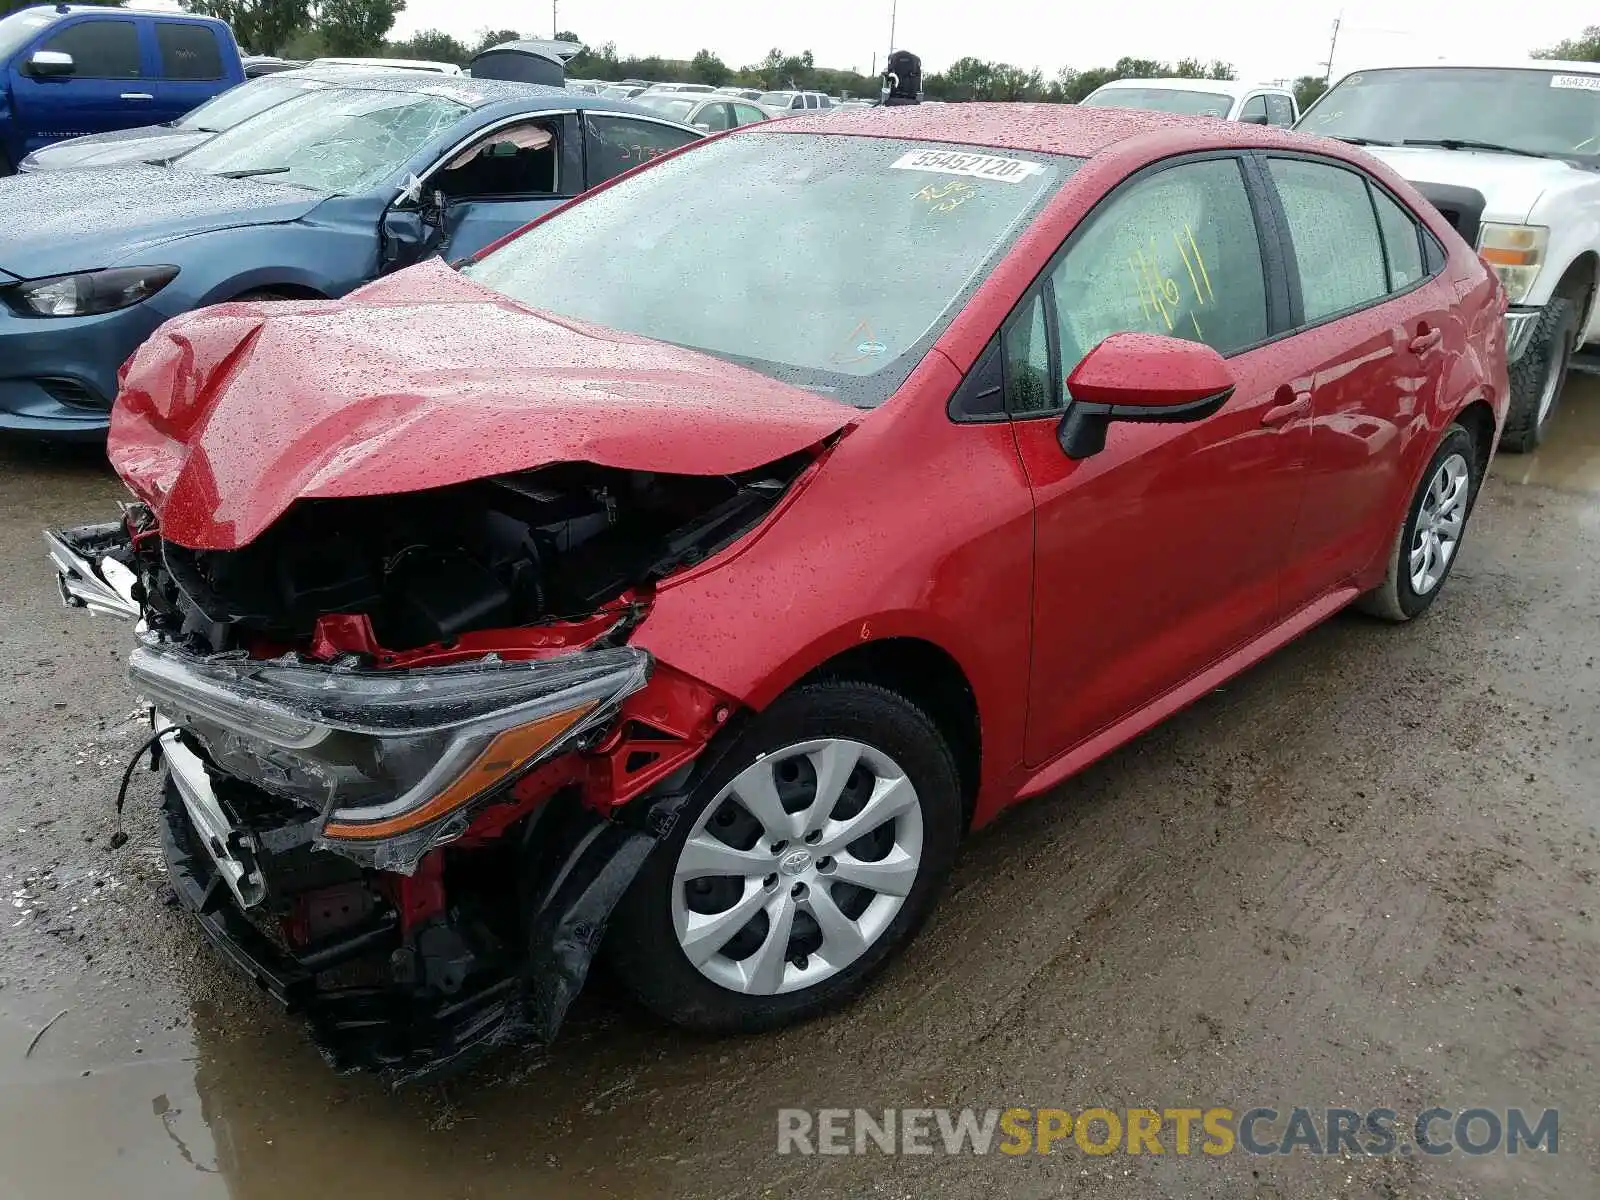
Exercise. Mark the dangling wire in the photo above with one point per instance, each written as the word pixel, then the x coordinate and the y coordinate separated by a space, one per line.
pixel 119 839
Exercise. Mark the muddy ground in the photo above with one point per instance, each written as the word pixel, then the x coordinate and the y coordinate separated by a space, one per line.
pixel 1363 875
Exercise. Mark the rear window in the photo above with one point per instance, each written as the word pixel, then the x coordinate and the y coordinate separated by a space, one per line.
pixel 1172 100
pixel 188 51
pixel 832 263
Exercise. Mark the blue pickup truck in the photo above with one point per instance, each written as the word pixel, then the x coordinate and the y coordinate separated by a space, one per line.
pixel 68 70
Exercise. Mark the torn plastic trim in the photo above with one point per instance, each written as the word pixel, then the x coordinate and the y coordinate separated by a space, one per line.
pixel 396 761
pixel 87 575
pixel 233 851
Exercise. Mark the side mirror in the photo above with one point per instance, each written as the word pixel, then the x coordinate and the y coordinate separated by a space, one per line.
pixel 51 64
pixel 1141 377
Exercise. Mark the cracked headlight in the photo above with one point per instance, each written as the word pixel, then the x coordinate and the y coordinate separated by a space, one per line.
pixel 397 761
pixel 88 293
pixel 1515 252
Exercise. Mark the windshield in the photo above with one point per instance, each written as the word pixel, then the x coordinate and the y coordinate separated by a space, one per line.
pixel 676 108
pixel 19 27
pixel 332 140
pixel 828 262
pixel 1158 99
pixel 777 99
pixel 227 110
pixel 1529 110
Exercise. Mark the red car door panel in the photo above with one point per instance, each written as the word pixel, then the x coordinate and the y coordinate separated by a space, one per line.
pixel 1164 551
pixel 1374 371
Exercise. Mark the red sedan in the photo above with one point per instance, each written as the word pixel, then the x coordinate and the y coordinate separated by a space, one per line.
pixel 699 565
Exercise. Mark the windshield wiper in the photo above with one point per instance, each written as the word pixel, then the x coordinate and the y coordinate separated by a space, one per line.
pixel 1469 144
pixel 1361 141
pixel 252 172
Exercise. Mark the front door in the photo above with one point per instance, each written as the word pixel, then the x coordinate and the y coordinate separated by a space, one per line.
pixel 106 90
pixel 1163 552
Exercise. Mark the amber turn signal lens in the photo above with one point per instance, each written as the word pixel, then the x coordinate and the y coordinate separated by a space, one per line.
pixel 508 751
pixel 1503 257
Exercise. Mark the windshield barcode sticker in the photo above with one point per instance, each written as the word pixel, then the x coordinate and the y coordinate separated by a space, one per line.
pixel 979 166
pixel 1587 83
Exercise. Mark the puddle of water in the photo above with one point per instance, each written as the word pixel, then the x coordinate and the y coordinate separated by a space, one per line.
pixel 1569 459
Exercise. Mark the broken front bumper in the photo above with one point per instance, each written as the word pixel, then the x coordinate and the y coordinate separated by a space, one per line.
pixel 406 1035
pixel 87 575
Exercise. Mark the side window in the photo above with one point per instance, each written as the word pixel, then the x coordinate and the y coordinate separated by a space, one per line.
pixel 188 51
pixel 1434 252
pixel 824 102
pixel 1335 235
pixel 99 49
pixel 746 114
pixel 1174 253
pixel 1400 243
pixel 519 160
pixel 1279 111
pixel 1027 361
pixel 713 118
pixel 618 144
pixel 1255 109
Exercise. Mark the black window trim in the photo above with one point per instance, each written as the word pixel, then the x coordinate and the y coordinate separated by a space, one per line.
pixel 1291 265
pixel 1272 266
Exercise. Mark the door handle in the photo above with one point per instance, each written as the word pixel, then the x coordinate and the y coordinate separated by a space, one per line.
pixel 137 96
pixel 1426 340
pixel 1287 410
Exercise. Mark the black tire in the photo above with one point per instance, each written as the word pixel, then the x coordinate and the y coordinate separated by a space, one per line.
pixel 642 946
pixel 1396 599
pixel 5 167
pixel 260 294
pixel 1548 355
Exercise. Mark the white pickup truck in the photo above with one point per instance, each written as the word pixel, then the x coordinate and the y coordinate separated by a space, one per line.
pixel 1511 155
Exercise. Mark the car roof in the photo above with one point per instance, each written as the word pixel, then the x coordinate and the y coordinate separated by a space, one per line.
pixel 1222 87
pixel 464 89
pixel 1071 129
pixel 174 14
pixel 1566 66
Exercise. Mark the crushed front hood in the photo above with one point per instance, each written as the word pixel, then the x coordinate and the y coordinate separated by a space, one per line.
pixel 230 414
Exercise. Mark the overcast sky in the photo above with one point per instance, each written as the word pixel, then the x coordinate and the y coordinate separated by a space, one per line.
pixel 1264 39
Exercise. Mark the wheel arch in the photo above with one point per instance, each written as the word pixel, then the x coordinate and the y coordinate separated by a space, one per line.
pixel 1578 283
pixel 929 676
pixel 1477 418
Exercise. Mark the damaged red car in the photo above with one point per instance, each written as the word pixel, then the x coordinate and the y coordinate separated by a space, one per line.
pixel 680 580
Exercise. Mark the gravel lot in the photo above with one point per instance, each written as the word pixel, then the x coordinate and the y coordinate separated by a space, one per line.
pixel 1363 875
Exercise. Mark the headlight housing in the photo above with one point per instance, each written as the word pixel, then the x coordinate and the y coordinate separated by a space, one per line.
pixel 1516 253
pixel 87 293
pixel 395 760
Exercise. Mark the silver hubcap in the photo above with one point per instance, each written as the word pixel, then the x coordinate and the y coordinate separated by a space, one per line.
pixel 797 867
pixel 1439 524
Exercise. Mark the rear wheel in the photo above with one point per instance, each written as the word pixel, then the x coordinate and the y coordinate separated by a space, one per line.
pixel 807 857
pixel 1539 375
pixel 1426 546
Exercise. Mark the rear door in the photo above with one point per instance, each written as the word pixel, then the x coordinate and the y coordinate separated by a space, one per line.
pixel 613 144
pixel 106 90
pixel 1375 327
pixel 189 58
pixel 1162 553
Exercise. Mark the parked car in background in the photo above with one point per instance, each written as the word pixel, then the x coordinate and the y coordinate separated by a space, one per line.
pixel 310 198
pixel 623 91
pixel 679 87
pixel 488 606
pixel 1510 154
pixel 157 143
pixel 401 64
pixel 1258 104
pixel 71 70
pixel 711 113
pixel 792 102
pixel 257 65
pixel 743 93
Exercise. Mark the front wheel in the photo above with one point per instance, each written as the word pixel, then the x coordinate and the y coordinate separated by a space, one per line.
pixel 807 856
pixel 1539 375
pixel 1429 539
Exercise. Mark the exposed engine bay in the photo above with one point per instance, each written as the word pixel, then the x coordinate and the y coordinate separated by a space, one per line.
pixel 553 544
pixel 437 688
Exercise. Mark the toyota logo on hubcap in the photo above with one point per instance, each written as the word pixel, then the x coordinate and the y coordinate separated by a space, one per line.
pixel 794 862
